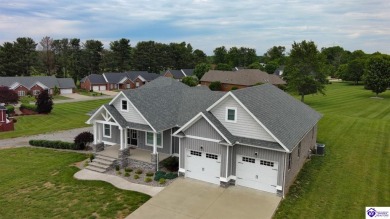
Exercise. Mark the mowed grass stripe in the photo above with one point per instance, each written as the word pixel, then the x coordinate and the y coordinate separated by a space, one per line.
pixel 354 173
pixel 64 116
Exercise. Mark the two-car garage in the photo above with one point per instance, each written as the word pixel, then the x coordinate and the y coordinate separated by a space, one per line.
pixel 203 166
pixel 99 87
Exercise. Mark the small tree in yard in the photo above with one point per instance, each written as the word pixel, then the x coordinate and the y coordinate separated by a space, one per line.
pixel 83 140
pixel 190 81
pixel 44 102
pixel 8 96
pixel 215 85
pixel 377 77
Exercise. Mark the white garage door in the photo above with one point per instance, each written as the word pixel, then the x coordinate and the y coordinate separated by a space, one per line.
pixel 95 88
pixel 102 87
pixel 66 91
pixel 256 173
pixel 203 166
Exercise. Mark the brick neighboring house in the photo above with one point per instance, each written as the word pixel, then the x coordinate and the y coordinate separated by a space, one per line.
pixel 240 78
pixel 5 123
pixel 35 85
pixel 117 80
pixel 178 74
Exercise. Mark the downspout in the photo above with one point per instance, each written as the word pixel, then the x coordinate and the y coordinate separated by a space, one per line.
pixel 284 174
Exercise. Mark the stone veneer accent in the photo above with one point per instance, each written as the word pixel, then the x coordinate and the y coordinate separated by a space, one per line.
pixel 123 157
pixel 136 164
pixel 154 160
pixel 98 147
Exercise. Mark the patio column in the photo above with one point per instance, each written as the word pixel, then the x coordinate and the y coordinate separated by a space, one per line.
pixel 121 137
pixel 125 138
pixel 154 143
pixel 154 155
pixel 95 133
pixel 99 133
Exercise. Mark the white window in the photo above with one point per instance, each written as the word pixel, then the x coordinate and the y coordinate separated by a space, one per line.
pixel 124 106
pixel 21 93
pixel 231 114
pixel 136 84
pixel 128 86
pixel 107 130
pixel 36 92
pixel 111 86
pixel 149 139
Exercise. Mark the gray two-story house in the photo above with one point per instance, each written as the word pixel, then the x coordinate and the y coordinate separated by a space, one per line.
pixel 257 137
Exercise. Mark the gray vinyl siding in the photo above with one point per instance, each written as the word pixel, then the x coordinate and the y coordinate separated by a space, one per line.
pixel 245 126
pixel 262 154
pixel 132 115
pixel 166 149
pixel 175 142
pixel 208 147
pixel 202 128
pixel 115 134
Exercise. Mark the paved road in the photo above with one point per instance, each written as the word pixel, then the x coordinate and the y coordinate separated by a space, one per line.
pixel 77 98
pixel 67 135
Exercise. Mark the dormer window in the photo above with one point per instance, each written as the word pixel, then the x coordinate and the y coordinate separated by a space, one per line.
pixel 124 105
pixel 231 114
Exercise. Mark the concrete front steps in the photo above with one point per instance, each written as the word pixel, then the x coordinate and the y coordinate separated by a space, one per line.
pixel 101 163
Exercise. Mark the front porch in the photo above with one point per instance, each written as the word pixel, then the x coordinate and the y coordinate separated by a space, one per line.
pixel 135 153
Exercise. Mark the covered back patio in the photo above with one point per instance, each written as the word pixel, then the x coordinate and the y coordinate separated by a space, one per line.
pixel 135 153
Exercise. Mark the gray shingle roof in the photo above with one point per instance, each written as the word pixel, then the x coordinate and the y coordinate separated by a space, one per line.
pixel 247 77
pixel 96 79
pixel 167 103
pixel 48 81
pixel 66 83
pixel 177 74
pixel 114 77
pixel 284 116
pixel 188 72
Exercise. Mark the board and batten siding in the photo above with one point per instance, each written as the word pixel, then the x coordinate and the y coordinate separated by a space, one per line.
pixel 208 147
pixel 166 149
pixel 202 128
pixel 175 142
pixel 263 155
pixel 115 134
pixel 245 126
pixel 132 115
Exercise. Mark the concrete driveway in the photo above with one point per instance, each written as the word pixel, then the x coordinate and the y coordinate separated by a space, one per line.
pixel 187 198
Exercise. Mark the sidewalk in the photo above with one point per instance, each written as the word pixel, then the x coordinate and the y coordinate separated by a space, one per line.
pixel 118 182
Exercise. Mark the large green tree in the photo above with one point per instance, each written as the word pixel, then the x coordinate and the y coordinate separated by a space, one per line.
pixel 377 76
pixel 47 54
pixel 241 56
pixel 93 55
pixel 121 50
pixel 354 71
pixel 220 55
pixel 190 81
pixel 304 70
pixel 275 54
pixel 199 57
pixel 8 60
pixel 334 57
pixel 201 69
pixel 25 54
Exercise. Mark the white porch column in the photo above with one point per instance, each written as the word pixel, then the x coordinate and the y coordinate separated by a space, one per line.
pixel 95 133
pixel 125 139
pixel 121 137
pixel 154 143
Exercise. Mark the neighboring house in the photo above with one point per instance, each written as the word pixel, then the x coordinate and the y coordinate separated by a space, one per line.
pixel 117 81
pixel 36 84
pixel 179 74
pixel 279 71
pixel 5 123
pixel 258 137
pixel 240 78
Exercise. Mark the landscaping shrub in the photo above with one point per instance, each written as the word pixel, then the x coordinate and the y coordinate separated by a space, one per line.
pixel 158 175
pixel 162 181
pixel 117 167
pixel 7 95
pixel 136 176
pixel 128 170
pixel 44 102
pixel 28 107
pixel 148 179
pixel 10 109
pixel 83 139
pixel 91 157
pixel 234 88
pixel 53 144
pixel 215 86
pixel 171 163
pixel 149 173
pixel 171 176
pixel 127 174
pixel 139 171
pixel 118 173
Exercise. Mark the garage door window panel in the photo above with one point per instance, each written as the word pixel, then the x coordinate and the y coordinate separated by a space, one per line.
pixel 248 159
pixel 212 156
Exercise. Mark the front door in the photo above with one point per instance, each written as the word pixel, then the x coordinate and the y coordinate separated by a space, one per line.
pixel 132 137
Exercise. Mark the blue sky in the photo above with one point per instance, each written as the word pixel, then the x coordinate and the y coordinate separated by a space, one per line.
pixel 206 24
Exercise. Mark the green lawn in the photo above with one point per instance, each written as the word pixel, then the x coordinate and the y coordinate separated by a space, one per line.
pixel 31 99
pixel 39 183
pixel 355 171
pixel 89 93
pixel 64 116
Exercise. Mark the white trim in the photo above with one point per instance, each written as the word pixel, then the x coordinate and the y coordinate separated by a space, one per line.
pixel 227 160
pixel 127 105
pixel 232 177
pixel 175 154
pixel 171 150
pixel 219 132
pixel 227 114
pixel 124 79
pixel 201 138
pixel 110 143
pixel 146 139
pixel 97 111
pixel 104 130
pixel 185 75
pixel 179 157
pixel 93 115
pixel 104 76
pixel 182 170
pixel 142 78
pixel 250 113
pixel 16 85
pixel 121 93
pixel 223 179
pixel 258 146
pixel 39 84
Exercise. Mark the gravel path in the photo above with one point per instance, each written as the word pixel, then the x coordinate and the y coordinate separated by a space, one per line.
pixel 67 135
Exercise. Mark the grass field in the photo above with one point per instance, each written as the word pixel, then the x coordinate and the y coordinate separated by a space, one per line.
pixel 39 183
pixel 355 172
pixel 64 116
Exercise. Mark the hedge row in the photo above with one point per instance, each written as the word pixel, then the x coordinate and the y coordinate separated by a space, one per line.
pixel 54 144
pixel 28 106
pixel 10 109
